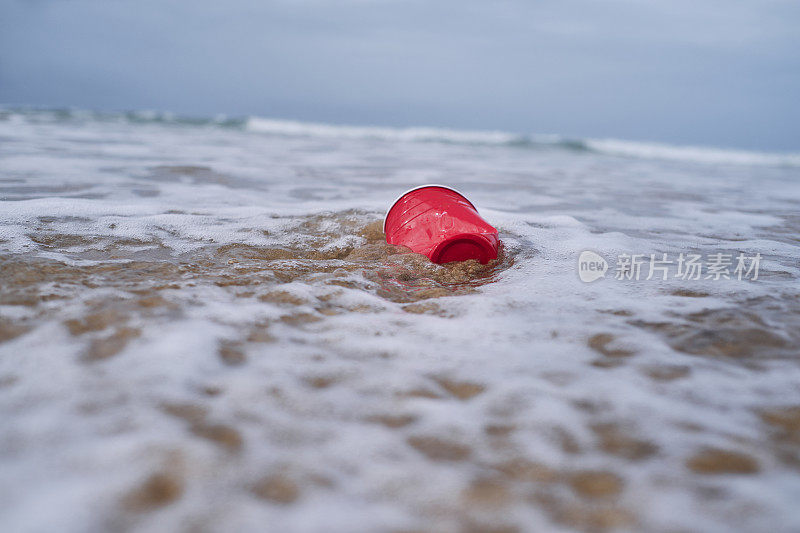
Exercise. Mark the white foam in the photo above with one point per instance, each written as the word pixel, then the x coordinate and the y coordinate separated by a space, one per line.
pixel 263 125
pixel 615 147
pixel 420 134
pixel 79 436
pixel 698 154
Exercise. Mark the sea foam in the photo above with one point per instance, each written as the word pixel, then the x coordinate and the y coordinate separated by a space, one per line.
pixel 201 325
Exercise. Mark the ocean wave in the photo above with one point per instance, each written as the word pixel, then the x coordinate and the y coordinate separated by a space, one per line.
pixel 417 134
pixel 267 126
pixel 61 115
pixel 698 154
pixel 612 147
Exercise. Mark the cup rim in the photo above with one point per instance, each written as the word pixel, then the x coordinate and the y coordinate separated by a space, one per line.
pixel 423 187
pixel 478 238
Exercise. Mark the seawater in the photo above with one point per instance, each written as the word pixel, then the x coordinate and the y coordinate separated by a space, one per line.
pixel 202 328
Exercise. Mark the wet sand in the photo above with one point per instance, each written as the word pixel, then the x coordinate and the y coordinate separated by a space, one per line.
pixel 146 287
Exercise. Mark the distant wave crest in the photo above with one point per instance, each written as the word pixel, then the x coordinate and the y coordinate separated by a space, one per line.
pixel 265 126
pixel 614 147
pixel 311 129
pixel 698 154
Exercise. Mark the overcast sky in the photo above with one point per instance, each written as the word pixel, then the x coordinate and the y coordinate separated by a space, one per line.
pixel 718 72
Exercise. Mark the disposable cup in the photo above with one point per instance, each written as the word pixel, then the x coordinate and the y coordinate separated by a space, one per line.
pixel 440 223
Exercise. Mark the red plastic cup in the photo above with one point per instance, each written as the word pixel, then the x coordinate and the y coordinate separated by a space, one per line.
pixel 442 224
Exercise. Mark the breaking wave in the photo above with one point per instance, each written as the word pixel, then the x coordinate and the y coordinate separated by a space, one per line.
pixel 266 126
